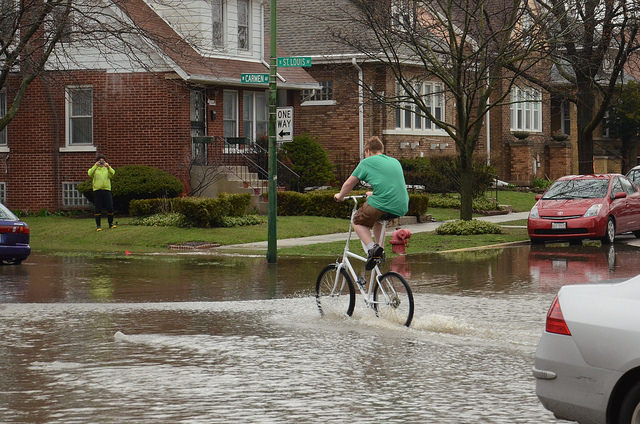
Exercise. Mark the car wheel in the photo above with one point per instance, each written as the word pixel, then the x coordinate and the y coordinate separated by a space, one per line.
pixel 630 407
pixel 610 232
pixel 637 234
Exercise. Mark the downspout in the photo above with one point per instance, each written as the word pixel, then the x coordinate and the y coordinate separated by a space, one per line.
pixel 488 135
pixel 360 107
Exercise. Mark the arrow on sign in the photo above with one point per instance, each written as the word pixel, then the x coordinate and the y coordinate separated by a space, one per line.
pixel 283 133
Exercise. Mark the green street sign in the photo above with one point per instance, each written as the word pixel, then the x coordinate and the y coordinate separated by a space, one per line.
pixel 290 62
pixel 254 78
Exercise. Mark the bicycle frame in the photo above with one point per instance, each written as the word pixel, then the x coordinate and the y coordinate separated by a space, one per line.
pixel 388 294
pixel 345 263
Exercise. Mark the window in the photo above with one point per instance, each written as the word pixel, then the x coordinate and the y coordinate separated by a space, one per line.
pixel 565 117
pixel 3 193
pixel 325 93
pixel 255 114
pixel 217 19
pixel 230 114
pixel 403 14
pixel 61 19
pixel 243 24
pixel 526 110
pixel 71 197
pixel 609 127
pixel 8 16
pixel 3 111
pixel 79 116
pixel 526 29
pixel 627 186
pixel 410 117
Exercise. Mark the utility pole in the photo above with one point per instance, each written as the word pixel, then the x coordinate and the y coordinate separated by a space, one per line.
pixel 272 239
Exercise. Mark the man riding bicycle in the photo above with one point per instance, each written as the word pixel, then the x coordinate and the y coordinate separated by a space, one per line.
pixel 388 199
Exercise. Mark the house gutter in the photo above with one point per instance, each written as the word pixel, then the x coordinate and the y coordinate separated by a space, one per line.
pixel 360 107
pixel 488 135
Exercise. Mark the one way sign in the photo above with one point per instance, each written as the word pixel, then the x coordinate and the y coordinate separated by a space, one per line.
pixel 284 124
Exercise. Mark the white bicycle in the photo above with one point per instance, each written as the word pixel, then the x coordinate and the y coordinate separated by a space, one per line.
pixel 388 294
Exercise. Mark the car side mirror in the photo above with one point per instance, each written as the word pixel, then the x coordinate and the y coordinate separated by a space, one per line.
pixel 538 196
pixel 620 195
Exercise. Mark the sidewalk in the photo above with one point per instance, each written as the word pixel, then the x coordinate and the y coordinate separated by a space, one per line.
pixel 328 238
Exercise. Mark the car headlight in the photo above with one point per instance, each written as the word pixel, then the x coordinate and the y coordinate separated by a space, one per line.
pixel 594 210
pixel 534 212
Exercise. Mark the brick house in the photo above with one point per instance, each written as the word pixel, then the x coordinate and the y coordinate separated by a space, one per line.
pixel 141 114
pixel 332 114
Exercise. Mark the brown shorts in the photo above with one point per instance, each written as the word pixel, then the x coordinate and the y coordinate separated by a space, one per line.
pixel 367 215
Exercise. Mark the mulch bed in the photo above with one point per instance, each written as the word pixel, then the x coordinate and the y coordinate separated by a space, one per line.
pixel 193 245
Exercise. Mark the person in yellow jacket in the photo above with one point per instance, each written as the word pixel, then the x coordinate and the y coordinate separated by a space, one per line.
pixel 101 174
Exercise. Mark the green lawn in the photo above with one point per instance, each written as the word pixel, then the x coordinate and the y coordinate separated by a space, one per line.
pixel 54 233
pixel 69 234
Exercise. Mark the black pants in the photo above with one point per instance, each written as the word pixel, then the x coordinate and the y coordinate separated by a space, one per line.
pixel 103 203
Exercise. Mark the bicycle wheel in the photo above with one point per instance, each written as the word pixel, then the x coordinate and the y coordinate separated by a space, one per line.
pixel 335 296
pixel 393 299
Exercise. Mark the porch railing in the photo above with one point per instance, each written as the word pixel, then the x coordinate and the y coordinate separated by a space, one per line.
pixel 246 160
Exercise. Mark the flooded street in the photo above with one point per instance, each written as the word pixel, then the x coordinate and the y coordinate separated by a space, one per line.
pixel 216 339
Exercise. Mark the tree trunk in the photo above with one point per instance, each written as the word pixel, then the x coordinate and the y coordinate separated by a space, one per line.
pixel 585 105
pixel 466 186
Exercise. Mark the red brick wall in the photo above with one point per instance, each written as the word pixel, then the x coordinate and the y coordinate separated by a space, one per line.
pixel 137 119
pixel 337 127
pixel 501 137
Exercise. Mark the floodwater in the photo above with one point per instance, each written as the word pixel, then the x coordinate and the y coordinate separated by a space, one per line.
pixel 217 339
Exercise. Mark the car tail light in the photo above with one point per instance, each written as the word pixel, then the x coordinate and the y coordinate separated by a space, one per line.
pixel 555 320
pixel 17 229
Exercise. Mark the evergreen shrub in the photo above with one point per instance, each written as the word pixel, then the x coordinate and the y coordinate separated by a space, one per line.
pixel 309 160
pixel 463 228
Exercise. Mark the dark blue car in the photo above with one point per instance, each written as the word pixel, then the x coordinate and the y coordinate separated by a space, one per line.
pixel 14 238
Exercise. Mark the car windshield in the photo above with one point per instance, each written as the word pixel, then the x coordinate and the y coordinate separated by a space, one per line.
pixel 577 189
pixel 6 213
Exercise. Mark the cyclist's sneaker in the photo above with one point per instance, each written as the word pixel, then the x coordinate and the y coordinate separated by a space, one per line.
pixel 112 226
pixel 376 255
pixel 98 229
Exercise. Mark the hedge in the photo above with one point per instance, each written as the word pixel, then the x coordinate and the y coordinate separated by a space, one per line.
pixel 441 175
pixel 322 203
pixel 199 212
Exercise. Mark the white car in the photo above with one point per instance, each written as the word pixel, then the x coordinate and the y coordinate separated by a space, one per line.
pixel 587 365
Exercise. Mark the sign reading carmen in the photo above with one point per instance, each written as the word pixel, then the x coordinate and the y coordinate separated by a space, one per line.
pixel 254 78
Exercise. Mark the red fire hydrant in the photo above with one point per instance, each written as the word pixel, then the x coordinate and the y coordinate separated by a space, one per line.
pixel 399 240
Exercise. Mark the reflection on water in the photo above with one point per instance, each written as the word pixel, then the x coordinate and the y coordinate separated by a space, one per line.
pixel 218 339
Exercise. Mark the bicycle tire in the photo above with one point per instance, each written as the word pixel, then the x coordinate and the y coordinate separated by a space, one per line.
pixel 341 301
pixel 393 299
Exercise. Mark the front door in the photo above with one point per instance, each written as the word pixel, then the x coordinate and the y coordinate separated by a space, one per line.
pixel 198 126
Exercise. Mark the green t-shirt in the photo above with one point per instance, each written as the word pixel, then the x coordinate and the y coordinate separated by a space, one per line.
pixel 385 175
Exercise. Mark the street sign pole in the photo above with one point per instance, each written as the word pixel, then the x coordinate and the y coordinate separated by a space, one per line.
pixel 272 246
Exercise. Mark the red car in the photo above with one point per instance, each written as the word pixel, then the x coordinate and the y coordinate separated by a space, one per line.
pixel 579 207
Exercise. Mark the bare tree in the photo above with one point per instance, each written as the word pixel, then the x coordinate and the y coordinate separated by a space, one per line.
pixel 465 46
pixel 591 42
pixel 38 36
